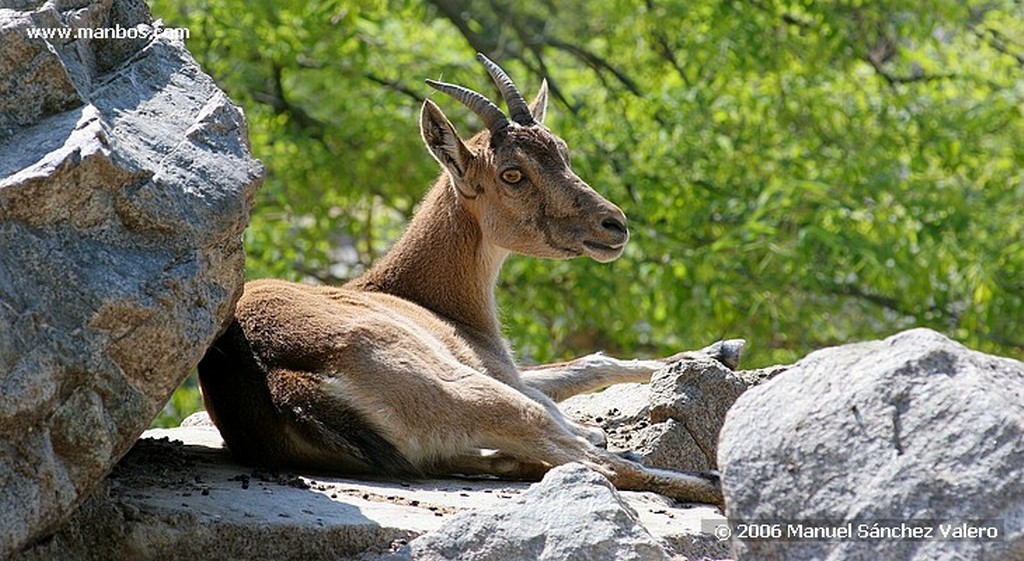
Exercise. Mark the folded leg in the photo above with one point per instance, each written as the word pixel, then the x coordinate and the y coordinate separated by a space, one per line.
pixel 566 379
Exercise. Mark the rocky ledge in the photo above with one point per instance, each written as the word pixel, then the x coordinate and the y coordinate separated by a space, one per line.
pixel 911 431
pixel 178 494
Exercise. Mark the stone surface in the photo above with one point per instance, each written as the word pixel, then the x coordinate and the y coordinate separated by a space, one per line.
pixel 673 422
pixel 689 400
pixel 178 495
pixel 125 183
pixel 574 513
pixel 619 410
pixel 909 430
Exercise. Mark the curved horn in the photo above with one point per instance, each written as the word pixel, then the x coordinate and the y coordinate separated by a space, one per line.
pixel 518 109
pixel 484 108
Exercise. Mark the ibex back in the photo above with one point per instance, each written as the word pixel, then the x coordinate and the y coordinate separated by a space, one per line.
pixel 403 371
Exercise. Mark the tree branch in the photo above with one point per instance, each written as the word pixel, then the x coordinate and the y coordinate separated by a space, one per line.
pixel 877 299
pixel 888 302
pixel 1005 341
pixel 999 42
pixel 452 11
pixel 394 86
pixel 488 41
pixel 894 80
pixel 666 52
pixel 322 277
pixel 596 62
pixel 279 102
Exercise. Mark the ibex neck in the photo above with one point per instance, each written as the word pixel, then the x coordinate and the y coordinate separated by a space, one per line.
pixel 442 263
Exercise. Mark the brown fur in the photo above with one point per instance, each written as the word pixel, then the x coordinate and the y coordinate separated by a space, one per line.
pixel 403 370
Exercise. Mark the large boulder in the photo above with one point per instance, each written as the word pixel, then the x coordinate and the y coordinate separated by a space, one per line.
pixel 125 183
pixel 871 441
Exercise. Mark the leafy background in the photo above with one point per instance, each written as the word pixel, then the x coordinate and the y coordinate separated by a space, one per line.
pixel 798 174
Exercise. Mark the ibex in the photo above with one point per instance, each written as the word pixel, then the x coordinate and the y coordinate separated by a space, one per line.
pixel 403 371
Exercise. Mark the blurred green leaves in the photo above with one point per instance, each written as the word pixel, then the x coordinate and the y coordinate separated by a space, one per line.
pixel 798 174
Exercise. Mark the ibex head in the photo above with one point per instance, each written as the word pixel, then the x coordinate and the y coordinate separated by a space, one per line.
pixel 516 180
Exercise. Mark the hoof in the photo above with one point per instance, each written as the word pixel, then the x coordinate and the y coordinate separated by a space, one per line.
pixel 727 352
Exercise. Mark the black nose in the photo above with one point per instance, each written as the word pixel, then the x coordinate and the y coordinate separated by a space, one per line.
pixel 614 225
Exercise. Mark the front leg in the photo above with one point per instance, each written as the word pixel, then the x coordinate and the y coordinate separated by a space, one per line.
pixel 530 443
pixel 590 432
pixel 566 379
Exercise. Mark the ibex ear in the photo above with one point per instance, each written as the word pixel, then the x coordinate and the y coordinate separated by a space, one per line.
pixel 539 107
pixel 445 145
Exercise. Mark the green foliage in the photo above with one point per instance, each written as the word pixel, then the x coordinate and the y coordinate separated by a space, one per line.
pixel 798 174
pixel 185 401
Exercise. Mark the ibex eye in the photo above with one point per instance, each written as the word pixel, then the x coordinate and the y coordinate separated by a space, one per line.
pixel 512 176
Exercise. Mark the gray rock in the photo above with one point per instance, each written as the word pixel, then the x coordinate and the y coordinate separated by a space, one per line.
pixel 125 183
pixel 914 429
pixel 574 513
pixel 178 495
pixel 695 395
pixel 199 419
pixel 673 422
pixel 622 406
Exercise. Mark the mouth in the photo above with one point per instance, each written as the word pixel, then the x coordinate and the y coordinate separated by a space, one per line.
pixel 603 253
